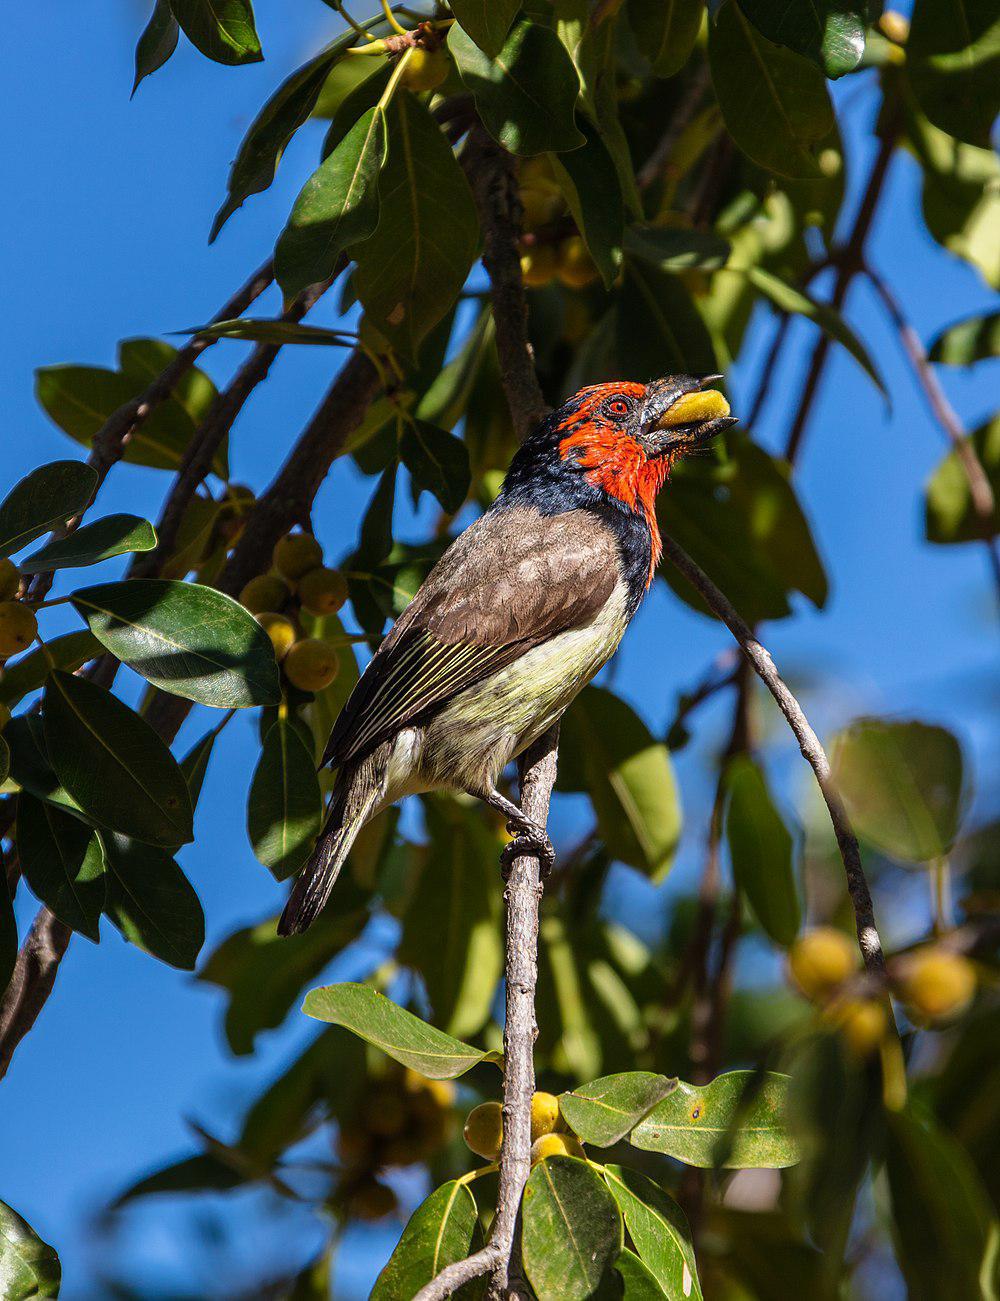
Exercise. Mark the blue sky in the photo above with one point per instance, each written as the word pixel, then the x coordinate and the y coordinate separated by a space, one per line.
pixel 104 237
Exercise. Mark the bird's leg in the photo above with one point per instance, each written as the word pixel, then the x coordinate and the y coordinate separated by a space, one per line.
pixel 529 837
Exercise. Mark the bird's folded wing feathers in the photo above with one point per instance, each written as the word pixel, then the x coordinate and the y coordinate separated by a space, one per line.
pixel 511 581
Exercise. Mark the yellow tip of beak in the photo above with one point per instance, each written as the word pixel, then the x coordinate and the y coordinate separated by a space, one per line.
pixel 694 408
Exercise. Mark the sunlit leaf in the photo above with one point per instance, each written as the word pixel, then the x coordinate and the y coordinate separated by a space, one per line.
pixel 969 341
pixel 775 103
pixel 948 510
pixel 399 1033
pixel 113 763
pixel 151 901
pixel 442 1229
pixel 571 1229
pixel 285 806
pixel 760 848
pixel 666 32
pixel 144 359
pixel 603 1111
pixel 486 21
pixel 44 499
pixel 29 1267
pixel 678 250
pixel 526 95
pixel 735 1121
pixel 115 535
pixel 638 1282
pixel 829 32
pixel 63 862
pixel 659 1229
pixel 903 782
pixel 277 332
pixel 157 42
pixel 222 30
pixel 28 673
pixel 184 638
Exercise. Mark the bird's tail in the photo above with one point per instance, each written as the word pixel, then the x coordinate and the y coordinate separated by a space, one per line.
pixel 354 801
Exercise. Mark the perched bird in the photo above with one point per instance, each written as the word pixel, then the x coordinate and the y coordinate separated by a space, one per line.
pixel 515 618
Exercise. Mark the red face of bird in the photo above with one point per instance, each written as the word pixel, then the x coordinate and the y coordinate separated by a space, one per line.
pixel 625 437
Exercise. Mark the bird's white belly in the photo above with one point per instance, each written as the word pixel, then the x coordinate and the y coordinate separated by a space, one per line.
pixel 470 741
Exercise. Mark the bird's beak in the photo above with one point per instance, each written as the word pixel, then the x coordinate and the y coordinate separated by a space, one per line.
pixel 681 412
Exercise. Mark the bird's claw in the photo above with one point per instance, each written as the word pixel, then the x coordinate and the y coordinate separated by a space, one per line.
pixel 527 840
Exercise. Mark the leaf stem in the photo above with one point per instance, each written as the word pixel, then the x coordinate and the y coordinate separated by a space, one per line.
pixel 391 18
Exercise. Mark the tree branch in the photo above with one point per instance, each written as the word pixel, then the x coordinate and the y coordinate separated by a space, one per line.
pixel 34 976
pixel 809 744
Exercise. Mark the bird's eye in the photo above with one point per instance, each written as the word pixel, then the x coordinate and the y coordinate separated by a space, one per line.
pixel 618 407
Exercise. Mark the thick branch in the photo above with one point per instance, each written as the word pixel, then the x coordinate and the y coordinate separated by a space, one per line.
pixel 34 975
pixel 522 897
pixel 490 170
pixel 809 744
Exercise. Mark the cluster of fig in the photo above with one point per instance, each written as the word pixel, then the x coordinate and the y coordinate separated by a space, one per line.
pixel 933 984
pixel 550 1134
pixel 404 1119
pixel 298 582
pixel 18 625
pixel 546 256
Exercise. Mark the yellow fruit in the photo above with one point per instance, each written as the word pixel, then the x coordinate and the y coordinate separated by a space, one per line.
pixel 545 1117
pixel 484 1130
pixel 281 631
pixel 576 266
pixel 862 1022
pixel 708 404
pixel 538 265
pixel 265 592
pixel 821 960
pixel 937 984
pixel 895 26
pixel 322 591
pixel 556 1145
pixel 295 554
pixel 18 628
pixel 425 69
pixel 311 664
pixel 4 716
pixel 542 203
pixel 372 1201
pixel 10 580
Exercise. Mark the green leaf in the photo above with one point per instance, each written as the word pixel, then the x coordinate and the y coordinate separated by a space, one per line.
pixel 409 271
pixel 736 1121
pixel 903 783
pixel 284 811
pixel 659 1229
pixel 760 848
pixel 4 761
pixel 486 21
pixel 397 1032
pixel 152 902
pixel 29 673
pixel 831 33
pixel 192 1174
pixel 143 360
pixel 440 1231
pixel 629 778
pixel 437 461
pixel 659 329
pixel 281 333
pixel 526 95
pixel 29 764
pixel 948 510
pixel 571 1229
pixel 452 927
pixel 29 1267
pixel 678 250
pixel 63 863
pixel 968 341
pixel 945 1228
pixel 186 639
pixel 603 1111
pixel 157 42
pixel 288 108
pixel 639 1282
pixel 223 30
pixel 43 500
pixel 789 299
pixel 8 929
pixel 588 179
pixel 775 103
pixel 115 535
pixel 113 763
pixel 194 765
pixel 666 31
pixel 337 207
pixel 953 65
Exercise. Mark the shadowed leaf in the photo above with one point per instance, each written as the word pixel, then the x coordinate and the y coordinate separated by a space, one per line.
pixel 223 30
pixel 62 861
pixel 437 461
pixel 152 902
pixel 29 672
pixel 486 21
pixel 760 848
pixel 443 1229
pixel 666 31
pixel 284 810
pixel 115 535
pixel 969 341
pixel 157 42
pixel 831 33
pixel 659 1229
pixel 43 500
pixel 571 1229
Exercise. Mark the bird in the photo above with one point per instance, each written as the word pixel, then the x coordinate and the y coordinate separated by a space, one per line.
pixel 519 613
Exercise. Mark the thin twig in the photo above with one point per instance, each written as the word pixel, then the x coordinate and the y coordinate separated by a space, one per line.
pixel 980 489
pixel 809 744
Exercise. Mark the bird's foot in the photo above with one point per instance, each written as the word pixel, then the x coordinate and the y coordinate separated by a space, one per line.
pixel 529 838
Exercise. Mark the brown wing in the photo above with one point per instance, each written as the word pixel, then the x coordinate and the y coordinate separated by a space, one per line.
pixel 510 581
